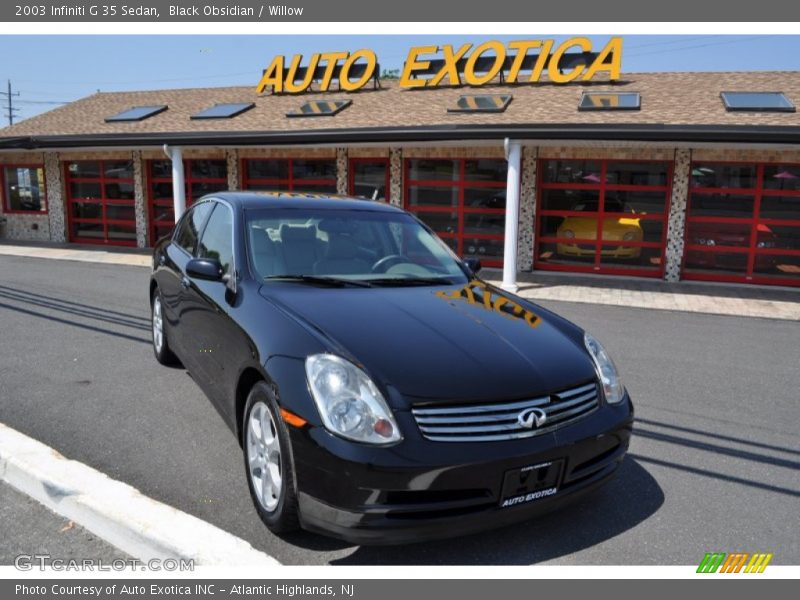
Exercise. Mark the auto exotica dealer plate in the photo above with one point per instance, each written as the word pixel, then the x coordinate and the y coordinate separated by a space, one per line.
pixel 531 483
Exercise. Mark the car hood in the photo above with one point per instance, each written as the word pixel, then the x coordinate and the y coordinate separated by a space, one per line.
pixel 467 343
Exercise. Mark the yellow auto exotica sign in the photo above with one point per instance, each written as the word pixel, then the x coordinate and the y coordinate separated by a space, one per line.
pixel 523 61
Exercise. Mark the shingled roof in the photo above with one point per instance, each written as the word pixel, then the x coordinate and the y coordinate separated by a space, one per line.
pixel 674 106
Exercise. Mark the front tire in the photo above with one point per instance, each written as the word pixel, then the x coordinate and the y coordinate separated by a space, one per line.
pixel 161 348
pixel 268 461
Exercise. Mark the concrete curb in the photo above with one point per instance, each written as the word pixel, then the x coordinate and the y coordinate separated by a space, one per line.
pixel 116 512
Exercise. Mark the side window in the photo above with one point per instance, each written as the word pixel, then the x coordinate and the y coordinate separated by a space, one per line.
pixel 217 241
pixel 189 230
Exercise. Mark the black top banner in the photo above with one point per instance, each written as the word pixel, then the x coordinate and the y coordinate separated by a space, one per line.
pixel 614 11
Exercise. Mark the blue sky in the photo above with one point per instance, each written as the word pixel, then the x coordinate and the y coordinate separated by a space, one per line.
pixel 51 69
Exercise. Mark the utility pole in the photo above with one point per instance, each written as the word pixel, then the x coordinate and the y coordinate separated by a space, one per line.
pixel 10 110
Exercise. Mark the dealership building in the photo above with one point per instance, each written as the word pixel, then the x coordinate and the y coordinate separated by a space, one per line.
pixel 679 176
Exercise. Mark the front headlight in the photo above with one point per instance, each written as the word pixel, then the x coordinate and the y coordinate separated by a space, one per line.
pixel 613 389
pixel 349 402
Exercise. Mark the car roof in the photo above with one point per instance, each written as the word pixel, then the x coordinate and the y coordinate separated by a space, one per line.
pixel 278 199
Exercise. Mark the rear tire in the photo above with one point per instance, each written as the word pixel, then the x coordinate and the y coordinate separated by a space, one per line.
pixel 268 461
pixel 161 348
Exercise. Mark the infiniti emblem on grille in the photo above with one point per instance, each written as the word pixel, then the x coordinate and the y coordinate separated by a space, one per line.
pixel 532 417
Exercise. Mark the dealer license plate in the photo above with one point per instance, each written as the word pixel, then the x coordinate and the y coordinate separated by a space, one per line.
pixel 531 483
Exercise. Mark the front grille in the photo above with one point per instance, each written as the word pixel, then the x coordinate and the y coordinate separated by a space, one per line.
pixel 500 420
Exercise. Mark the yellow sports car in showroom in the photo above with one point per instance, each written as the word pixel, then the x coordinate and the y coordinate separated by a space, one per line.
pixel 625 229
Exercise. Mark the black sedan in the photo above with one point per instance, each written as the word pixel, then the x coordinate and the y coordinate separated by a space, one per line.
pixel 380 390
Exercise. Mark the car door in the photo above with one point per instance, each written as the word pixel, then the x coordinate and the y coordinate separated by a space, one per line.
pixel 171 276
pixel 222 345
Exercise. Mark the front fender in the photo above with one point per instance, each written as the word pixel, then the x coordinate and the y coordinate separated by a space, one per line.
pixel 291 387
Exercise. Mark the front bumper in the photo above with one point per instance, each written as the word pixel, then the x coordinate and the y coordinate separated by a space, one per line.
pixel 421 490
pixel 589 250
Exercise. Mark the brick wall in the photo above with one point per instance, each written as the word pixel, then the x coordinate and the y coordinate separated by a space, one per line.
pixel 600 153
pixel 287 152
pixel 455 152
pixel 732 155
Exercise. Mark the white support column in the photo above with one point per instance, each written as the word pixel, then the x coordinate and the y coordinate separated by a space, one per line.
pixel 178 181
pixel 513 156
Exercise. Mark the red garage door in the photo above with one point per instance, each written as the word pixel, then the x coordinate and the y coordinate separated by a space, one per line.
pixel 100 202
pixel 202 176
pixel 600 216
pixel 316 176
pixel 743 223
pixel 463 201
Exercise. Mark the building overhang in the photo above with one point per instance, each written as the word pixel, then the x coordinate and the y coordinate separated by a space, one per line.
pixel 661 133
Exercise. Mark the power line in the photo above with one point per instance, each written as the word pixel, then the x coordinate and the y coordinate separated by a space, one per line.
pixel 140 81
pixel 42 102
pixel 10 110
pixel 706 45
pixel 683 40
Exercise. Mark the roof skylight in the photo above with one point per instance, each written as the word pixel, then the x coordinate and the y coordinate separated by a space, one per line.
pixel 481 103
pixel 757 101
pixel 224 111
pixel 320 108
pixel 137 113
pixel 610 101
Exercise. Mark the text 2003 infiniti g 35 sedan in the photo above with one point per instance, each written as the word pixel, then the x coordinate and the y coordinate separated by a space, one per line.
pixel 380 391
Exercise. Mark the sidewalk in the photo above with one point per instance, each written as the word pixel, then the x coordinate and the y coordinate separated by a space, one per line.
pixel 685 296
pixel 718 299
pixel 137 257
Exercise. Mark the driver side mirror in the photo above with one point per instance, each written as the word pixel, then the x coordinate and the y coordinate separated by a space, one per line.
pixel 473 264
pixel 208 269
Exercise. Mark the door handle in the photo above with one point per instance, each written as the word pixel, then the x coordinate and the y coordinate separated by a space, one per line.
pixel 185 282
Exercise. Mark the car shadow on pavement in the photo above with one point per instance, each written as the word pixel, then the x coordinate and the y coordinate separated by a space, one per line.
pixel 633 496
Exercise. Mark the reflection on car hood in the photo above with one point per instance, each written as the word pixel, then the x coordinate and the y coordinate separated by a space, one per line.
pixel 451 342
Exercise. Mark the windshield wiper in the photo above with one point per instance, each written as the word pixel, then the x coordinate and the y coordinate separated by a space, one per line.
pixel 409 281
pixel 320 279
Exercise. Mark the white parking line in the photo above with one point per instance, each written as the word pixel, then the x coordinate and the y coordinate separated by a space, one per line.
pixel 116 512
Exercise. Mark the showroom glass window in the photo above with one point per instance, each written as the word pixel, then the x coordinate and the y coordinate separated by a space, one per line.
pixel 463 201
pixel 602 216
pixel 202 176
pixel 369 178
pixel 100 202
pixel 217 240
pixel 23 189
pixel 290 175
pixel 743 223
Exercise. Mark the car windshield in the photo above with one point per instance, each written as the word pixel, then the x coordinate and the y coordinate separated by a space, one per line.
pixel 324 244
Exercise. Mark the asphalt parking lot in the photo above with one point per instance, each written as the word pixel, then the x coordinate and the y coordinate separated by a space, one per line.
pixel 714 464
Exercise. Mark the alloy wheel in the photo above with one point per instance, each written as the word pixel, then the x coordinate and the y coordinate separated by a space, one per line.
pixel 264 456
pixel 158 324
